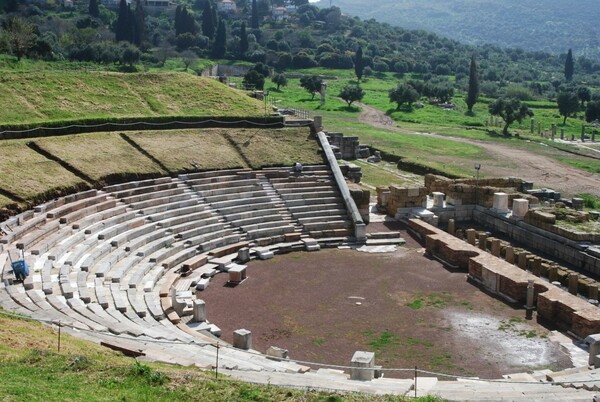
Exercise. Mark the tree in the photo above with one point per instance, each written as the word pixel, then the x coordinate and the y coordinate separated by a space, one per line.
pixel 93 9
pixel 188 57
pixel 220 45
pixel 139 35
pixel 351 94
pixel 253 79
pixel 208 24
pixel 584 94
pixel 568 104
pixel 122 28
pixel 592 112
pixel 243 39
pixel 473 91
pixel 569 68
pixel 280 80
pixel 254 21
pixel 510 110
pixel 359 65
pixel 312 84
pixel 130 55
pixel 403 93
pixel 20 36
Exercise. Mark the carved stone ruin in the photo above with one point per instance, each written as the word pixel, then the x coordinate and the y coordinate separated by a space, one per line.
pixel 363 366
pixel 242 339
pixel 500 203
pixel 276 352
pixel 199 310
pixel 438 199
pixel 520 207
pixel 594 343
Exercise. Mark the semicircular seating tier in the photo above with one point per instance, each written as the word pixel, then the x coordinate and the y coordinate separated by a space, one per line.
pixel 121 265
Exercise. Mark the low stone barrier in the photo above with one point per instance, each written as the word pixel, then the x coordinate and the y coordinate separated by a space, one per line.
pixel 555 305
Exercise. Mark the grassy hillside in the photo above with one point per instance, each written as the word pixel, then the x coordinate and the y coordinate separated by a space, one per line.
pixel 31 369
pixel 51 96
pixel 547 25
pixel 41 168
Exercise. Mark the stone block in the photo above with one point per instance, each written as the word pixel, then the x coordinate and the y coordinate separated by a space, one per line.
pixel 199 307
pixel 243 255
pixel 594 349
pixel 242 339
pixel 451 227
pixel 520 207
pixel 482 238
pixel 496 247
pixel 237 273
pixel 509 255
pixel 276 352
pixel 363 366
pixel 438 200
pixel 578 203
pixel 500 203
pixel 573 283
pixel 471 236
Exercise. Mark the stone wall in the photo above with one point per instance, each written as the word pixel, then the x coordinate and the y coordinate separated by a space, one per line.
pixel 546 220
pixel 345 146
pixel 361 198
pixel 390 199
pixel 472 191
pixel 547 242
pixel 567 311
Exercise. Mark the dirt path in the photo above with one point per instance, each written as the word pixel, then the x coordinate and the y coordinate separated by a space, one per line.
pixel 507 161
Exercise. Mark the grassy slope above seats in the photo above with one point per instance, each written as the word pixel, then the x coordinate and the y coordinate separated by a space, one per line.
pixel 26 173
pixel 52 96
pixel 100 154
pixel 107 157
pixel 178 150
pixel 277 147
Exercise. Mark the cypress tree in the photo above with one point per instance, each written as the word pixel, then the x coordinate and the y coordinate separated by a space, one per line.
pixel 122 26
pixel 208 26
pixel 178 20
pixel 220 41
pixel 254 15
pixel 473 92
pixel 93 9
pixel 569 68
pixel 358 63
pixel 243 39
pixel 140 24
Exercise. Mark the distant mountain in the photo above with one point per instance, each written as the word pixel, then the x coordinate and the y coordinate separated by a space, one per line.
pixel 548 25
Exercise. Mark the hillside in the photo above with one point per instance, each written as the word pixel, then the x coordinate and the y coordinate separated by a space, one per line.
pixel 53 96
pixel 546 25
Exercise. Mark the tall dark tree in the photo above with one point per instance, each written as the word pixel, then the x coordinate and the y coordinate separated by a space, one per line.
pixel 93 9
pixel 220 45
pixel 140 23
pixel 569 67
pixel 123 26
pixel 208 24
pixel 254 22
pixel 243 39
pixel 473 92
pixel 359 65
pixel 178 20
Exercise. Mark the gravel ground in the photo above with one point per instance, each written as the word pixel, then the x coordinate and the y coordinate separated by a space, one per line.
pixel 410 310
